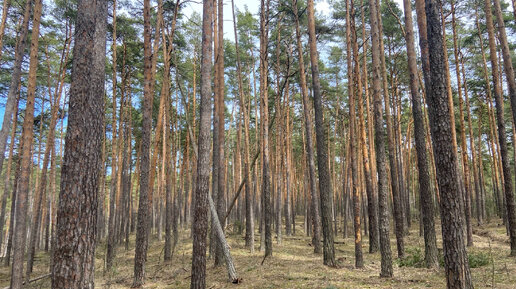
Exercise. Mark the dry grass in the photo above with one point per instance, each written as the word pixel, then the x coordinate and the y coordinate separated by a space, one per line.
pixel 294 265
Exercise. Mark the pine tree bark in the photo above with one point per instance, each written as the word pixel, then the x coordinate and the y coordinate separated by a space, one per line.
pixel 350 39
pixel 110 247
pixel 264 111
pixel 249 216
pixel 7 177
pixel 14 86
pixel 455 257
pixel 385 247
pixel 465 159
pixel 220 161
pixel 314 204
pixel 80 181
pixel 22 199
pixel 399 218
pixel 427 206
pixel 372 204
pixel 167 142
pixel 509 72
pixel 472 147
pixel 511 84
pixel 200 217
pixel 143 207
pixel 325 190
pixel 5 9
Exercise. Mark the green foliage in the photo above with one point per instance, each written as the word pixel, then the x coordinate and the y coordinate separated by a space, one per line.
pixel 414 258
pixel 478 259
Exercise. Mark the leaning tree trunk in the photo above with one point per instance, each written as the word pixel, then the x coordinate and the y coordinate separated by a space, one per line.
pixel 77 212
pixel 455 257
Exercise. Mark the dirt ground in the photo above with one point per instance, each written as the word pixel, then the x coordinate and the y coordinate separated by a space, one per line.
pixel 294 265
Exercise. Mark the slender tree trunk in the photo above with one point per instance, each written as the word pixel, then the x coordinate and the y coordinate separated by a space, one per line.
pixel 399 218
pixel 22 202
pixel 322 156
pixel 249 216
pixel 359 261
pixel 455 256
pixel 7 178
pixel 427 206
pixel 264 111
pixel 220 162
pixel 511 84
pixel 351 40
pixel 14 86
pixel 372 205
pixel 314 204
pixel 465 161
pixel 508 187
pixel 5 8
pixel 200 217
pixel 385 247
pixel 472 147
pixel 143 207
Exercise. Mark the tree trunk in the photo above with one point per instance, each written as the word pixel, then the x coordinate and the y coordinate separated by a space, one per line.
pixel 200 205
pixel 427 206
pixel 5 9
pixel 22 202
pixel 455 256
pixel 143 207
pixel 14 86
pixel 77 212
pixel 7 177
pixel 264 111
pixel 465 160
pixel 322 156
pixel 372 204
pixel 511 84
pixel 359 261
pixel 314 204
pixel 399 218
pixel 219 98
pixel 385 247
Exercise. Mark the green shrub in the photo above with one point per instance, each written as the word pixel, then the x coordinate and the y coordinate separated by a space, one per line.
pixel 478 259
pixel 475 259
pixel 413 258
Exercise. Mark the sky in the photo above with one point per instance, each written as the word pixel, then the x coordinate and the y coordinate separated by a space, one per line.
pixel 321 6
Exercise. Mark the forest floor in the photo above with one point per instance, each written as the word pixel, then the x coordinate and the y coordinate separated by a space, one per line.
pixel 294 265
